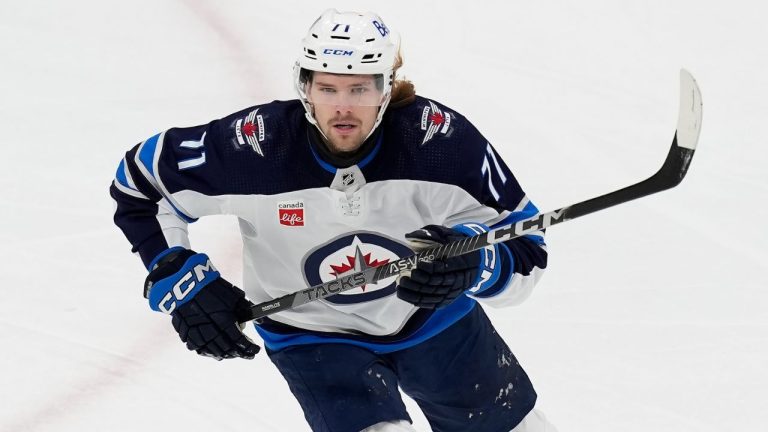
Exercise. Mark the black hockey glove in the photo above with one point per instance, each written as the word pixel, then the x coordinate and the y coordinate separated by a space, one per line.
pixel 437 284
pixel 204 307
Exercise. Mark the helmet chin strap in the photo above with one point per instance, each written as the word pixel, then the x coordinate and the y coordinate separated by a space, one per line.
pixel 311 119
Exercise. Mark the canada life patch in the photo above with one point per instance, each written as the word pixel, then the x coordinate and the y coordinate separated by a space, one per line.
pixel 250 131
pixel 433 121
pixel 291 213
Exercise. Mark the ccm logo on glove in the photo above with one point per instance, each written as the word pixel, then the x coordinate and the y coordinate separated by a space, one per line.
pixel 168 293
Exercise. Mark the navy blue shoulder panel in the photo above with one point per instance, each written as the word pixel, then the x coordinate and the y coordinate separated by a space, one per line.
pixel 428 141
pixel 265 150
pixel 259 150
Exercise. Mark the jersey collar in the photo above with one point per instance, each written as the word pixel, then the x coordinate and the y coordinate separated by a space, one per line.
pixel 331 162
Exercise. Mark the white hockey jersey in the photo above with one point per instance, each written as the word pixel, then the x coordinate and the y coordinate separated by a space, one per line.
pixel 306 220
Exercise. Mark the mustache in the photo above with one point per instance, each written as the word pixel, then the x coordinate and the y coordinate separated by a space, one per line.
pixel 345 119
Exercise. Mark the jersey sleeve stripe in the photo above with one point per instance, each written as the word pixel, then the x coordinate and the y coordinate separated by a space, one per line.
pixel 147 159
pixel 124 178
pixel 120 175
pixel 147 153
pixel 124 182
pixel 128 191
pixel 523 204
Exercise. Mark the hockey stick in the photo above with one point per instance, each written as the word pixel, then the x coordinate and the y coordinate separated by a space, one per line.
pixel 670 175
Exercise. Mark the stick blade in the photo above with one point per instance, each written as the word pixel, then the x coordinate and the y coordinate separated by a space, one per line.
pixel 689 117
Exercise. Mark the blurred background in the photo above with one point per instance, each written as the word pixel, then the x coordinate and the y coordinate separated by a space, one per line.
pixel 652 315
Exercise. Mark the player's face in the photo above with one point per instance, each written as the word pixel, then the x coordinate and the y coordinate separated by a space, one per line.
pixel 345 107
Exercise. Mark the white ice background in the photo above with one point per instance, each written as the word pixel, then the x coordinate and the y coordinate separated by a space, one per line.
pixel 652 316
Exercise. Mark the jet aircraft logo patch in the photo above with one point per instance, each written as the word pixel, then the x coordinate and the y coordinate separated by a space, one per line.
pixel 433 121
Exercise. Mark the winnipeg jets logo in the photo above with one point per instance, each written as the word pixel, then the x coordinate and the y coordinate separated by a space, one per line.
pixel 250 131
pixel 434 120
pixel 351 254
pixel 357 263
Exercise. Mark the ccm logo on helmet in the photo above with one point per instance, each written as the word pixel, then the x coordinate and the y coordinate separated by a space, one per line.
pixel 185 285
pixel 338 52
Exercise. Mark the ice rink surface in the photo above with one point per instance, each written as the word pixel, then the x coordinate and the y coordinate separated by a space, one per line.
pixel 653 316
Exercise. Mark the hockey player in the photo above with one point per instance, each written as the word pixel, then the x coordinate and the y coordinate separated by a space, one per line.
pixel 326 185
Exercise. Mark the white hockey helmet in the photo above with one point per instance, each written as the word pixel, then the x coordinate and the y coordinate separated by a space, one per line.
pixel 348 43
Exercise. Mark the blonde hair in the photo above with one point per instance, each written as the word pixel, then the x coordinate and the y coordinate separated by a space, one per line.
pixel 403 91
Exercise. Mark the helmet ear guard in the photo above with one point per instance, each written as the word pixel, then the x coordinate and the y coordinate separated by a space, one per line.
pixel 347 43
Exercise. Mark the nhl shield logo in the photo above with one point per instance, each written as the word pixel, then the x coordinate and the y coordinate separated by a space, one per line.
pixel 250 131
pixel 433 121
pixel 347 179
